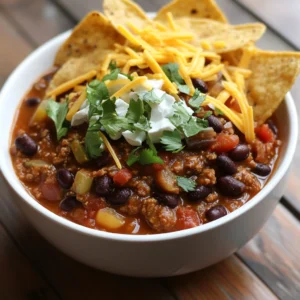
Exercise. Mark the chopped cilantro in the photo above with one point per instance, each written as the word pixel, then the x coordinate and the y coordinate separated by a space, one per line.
pixel 145 157
pixel 207 114
pixel 181 116
pixel 133 157
pixel 151 97
pixel 57 112
pixel 197 99
pixel 172 141
pixel 150 144
pixel 112 65
pixel 135 110
pixel 93 143
pixel 143 124
pixel 219 112
pixel 96 92
pixel 110 121
pixel 186 184
pixel 113 75
pixel 172 72
pixel 194 126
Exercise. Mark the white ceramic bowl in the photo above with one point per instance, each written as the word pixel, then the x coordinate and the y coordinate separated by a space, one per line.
pixel 146 255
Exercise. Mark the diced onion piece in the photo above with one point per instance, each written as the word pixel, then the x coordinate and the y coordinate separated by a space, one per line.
pixel 109 219
pixel 36 163
pixel 40 114
pixel 78 152
pixel 82 182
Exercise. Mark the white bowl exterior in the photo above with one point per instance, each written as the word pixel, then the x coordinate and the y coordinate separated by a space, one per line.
pixel 149 255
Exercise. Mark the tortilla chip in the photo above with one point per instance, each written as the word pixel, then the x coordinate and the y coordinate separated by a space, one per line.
pixel 121 12
pixel 233 36
pixel 194 9
pixel 93 33
pixel 273 74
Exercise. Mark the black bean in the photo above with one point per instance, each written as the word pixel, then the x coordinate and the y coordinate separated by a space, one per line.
pixel 120 196
pixel 69 203
pixel 216 212
pixel 201 192
pixel 262 170
pixel 103 185
pixel 26 144
pixel 170 200
pixel 65 178
pixel 103 160
pixel 240 152
pixel 272 126
pixel 200 85
pixel 226 165
pixel 33 101
pixel 229 186
pixel 215 123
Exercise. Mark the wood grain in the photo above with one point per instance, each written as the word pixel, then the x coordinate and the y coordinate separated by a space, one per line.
pixel 13 48
pixel 16 271
pixel 37 20
pixel 229 279
pixel 274 254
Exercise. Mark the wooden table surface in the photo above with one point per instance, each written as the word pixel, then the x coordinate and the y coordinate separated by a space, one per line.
pixel 268 267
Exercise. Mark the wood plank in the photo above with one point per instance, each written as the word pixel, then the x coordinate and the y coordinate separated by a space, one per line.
pixel 38 20
pixel 71 279
pixel 13 48
pixel 16 271
pixel 274 254
pixel 229 279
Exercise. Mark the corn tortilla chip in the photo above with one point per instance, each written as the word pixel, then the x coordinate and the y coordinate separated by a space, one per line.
pixel 93 33
pixel 91 40
pixel 121 12
pixel 273 74
pixel 233 36
pixel 194 9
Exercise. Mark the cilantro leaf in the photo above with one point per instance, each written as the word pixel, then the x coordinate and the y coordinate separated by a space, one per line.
pixel 181 116
pixel 172 141
pixel 135 110
pixel 147 156
pixel 197 99
pixel 218 112
pixel 172 72
pixel 113 75
pixel 112 65
pixel 207 114
pixel 194 126
pixel 151 97
pixel 150 144
pixel 133 157
pixel 93 143
pixel 186 184
pixel 143 124
pixel 57 112
pixel 96 92
pixel 111 122
pixel 183 88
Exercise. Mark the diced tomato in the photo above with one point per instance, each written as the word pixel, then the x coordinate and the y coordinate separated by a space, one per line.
pixel 186 218
pixel 264 133
pixel 233 104
pixel 225 143
pixel 122 177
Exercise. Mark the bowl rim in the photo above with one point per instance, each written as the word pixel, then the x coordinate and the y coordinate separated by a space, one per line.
pixel 159 237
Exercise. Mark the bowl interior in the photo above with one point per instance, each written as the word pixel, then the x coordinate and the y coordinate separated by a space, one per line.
pixel 38 63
